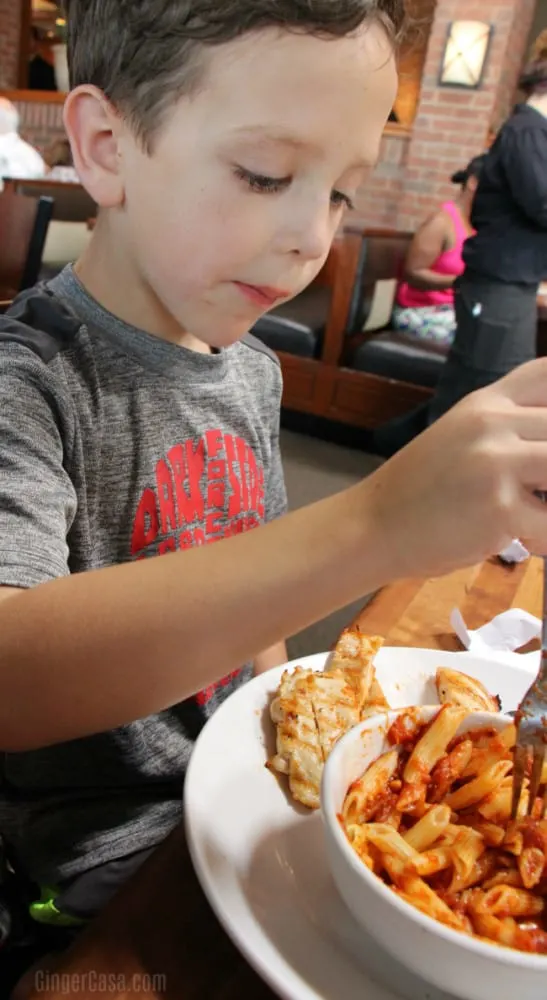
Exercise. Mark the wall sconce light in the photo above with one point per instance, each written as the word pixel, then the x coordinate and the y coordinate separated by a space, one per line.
pixel 465 53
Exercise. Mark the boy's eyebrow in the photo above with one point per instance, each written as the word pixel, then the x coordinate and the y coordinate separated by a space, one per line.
pixel 288 139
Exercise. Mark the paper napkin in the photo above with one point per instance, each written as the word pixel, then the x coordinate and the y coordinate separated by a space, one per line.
pixel 504 634
pixel 514 553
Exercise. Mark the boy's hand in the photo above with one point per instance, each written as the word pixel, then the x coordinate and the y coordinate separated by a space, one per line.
pixel 274 656
pixel 463 489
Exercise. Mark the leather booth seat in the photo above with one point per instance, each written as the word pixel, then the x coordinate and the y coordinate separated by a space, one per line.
pixel 375 348
pixel 395 356
pixel 297 327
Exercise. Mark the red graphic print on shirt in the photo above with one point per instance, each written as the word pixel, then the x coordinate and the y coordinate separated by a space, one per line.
pixel 204 490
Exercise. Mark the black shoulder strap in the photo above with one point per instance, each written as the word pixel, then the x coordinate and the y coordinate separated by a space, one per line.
pixel 39 321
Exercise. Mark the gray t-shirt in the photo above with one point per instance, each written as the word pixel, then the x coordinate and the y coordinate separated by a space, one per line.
pixel 116 446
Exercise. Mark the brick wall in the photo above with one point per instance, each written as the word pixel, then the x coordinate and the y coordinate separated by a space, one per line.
pixel 377 203
pixel 453 125
pixel 10 28
pixel 514 58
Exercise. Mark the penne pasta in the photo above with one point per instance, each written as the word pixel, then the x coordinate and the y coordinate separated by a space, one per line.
pixel 387 811
pixel 449 769
pixel 466 850
pixel 446 843
pixel 531 866
pixel 496 807
pixel 476 790
pixel 432 745
pixel 423 897
pixel 365 795
pixel 507 877
pixel 429 828
pixel 481 760
pixel 507 901
pixel 412 799
pixel 492 834
pixel 484 866
pixel 390 842
pixel 430 862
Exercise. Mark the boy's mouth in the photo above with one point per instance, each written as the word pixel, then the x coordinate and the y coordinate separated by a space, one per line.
pixel 262 295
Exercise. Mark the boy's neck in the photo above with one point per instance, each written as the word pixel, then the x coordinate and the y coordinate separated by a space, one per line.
pixel 107 273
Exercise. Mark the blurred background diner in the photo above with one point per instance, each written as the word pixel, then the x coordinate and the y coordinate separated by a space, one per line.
pixel 503 261
pixel 425 298
pixel 17 157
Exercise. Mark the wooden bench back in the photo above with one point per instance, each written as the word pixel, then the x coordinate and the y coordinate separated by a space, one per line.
pixel 382 258
pixel 23 229
pixel 72 203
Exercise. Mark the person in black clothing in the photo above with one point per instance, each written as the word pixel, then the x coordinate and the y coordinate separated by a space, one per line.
pixel 495 298
pixel 41 74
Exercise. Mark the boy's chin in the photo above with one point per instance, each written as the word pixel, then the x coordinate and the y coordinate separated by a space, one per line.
pixel 224 334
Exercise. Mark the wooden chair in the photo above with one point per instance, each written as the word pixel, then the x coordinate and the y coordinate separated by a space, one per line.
pixel 23 229
pixel 72 202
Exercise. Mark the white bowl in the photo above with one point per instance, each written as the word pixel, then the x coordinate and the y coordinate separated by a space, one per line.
pixel 467 967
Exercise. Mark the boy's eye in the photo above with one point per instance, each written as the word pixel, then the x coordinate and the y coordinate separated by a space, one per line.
pixel 339 199
pixel 259 182
pixel 270 185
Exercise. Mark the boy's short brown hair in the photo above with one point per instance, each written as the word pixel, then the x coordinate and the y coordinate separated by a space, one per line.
pixel 145 54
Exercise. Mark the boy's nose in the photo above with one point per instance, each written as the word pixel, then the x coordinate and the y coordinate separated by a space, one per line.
pixel 312 234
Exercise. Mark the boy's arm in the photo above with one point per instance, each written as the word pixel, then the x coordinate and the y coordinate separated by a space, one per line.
pixel 92 651
pixel 269 658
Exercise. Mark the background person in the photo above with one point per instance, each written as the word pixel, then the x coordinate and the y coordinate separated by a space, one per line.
pixel 41 68
pixel 17 157
pixel 425 299
pixel 505 261
pixel 58 157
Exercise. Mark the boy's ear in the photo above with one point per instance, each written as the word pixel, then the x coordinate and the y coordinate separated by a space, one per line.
pixel 94 129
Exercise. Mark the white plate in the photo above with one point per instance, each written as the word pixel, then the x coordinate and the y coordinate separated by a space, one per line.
pixel 261 859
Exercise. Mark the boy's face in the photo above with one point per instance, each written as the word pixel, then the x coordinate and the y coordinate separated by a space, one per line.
pixel 236 207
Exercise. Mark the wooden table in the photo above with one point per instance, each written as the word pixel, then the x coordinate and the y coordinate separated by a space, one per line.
pixel 417 612
pixel 159 938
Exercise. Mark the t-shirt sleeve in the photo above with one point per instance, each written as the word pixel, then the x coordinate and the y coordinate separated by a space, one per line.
pixel 276 493
pixel 524 159
pixel 37 497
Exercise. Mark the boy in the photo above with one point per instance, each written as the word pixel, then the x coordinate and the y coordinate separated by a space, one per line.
pixel 222 143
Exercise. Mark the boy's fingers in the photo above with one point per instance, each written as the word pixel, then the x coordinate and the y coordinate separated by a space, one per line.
pixel 530 423
pixel 527 466
pixel 527 384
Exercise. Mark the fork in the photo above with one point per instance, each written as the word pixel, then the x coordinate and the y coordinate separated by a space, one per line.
pixel 531 721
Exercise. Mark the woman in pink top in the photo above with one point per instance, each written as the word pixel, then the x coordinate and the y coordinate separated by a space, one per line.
pixel 425 300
